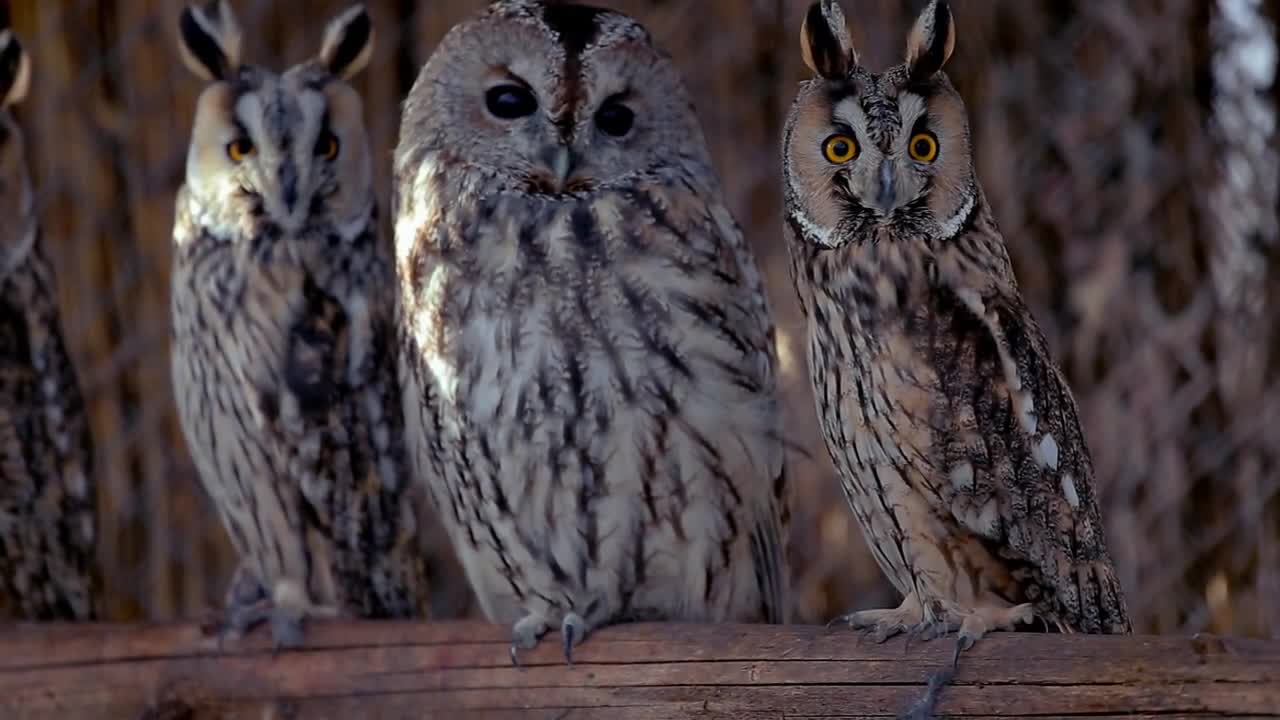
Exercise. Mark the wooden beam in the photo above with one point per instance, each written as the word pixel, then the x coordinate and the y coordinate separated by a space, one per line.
pixel 627 672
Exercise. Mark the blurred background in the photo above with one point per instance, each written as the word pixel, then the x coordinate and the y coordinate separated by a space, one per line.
pixel 1129 150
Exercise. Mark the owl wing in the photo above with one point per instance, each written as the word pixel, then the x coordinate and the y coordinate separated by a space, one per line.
pixel 1020 475
pixel 47 454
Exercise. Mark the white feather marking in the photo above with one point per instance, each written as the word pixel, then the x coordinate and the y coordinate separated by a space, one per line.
pixel 952 226
pixel 1046 453
pixel 1069 490
pixel 988 519
pixel 962 476
pixel 425 208
pixel 357 307
pixel 815 232
pixel 1026 407
pixel 438 363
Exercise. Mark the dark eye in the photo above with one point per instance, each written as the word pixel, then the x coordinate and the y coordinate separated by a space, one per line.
pixel 327 145
pixel 510 101
pixel 615 119
pixel 239 149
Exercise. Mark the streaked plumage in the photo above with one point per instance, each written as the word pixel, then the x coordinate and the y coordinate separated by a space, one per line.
pixel 47 523
pixel 283 334
pixel 588 367
pixel 955 435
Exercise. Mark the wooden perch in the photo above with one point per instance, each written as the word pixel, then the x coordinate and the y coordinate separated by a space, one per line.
pixel 628 672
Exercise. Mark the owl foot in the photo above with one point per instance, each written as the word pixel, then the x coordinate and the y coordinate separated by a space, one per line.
pixel 525 635
pixel 248 606
pixel 977 623
pixel 881 625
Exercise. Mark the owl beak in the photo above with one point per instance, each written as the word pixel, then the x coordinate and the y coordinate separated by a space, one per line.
pixel 886 196
pixel 559 160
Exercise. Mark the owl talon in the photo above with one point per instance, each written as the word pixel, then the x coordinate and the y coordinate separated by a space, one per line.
pixel 573 630
pixel 525 635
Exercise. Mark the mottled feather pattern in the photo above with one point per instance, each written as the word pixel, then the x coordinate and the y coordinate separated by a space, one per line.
pixel 920 417
pixel 955 436
pixel 595 376
pixel 47 498
pixel 287 387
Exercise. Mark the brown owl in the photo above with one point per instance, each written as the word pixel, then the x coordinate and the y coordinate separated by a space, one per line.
pixel 954 434
pixel 46 489
pixel 283 345
pixel 588 362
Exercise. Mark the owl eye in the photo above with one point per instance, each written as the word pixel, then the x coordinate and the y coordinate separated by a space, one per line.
pixel 840 149
pixel 923 147
pixel 327 145
pixel 615 119
pixel 240 148
pixel 510 102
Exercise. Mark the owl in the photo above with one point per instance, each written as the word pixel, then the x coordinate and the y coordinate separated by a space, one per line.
pixel 955 436
pixel 47 519
pixel 590 393
pixel 283 335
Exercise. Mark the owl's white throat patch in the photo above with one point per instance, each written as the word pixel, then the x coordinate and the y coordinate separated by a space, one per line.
pixel 814 232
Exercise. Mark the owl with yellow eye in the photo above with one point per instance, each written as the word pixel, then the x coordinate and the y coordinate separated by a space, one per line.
pixel 283 336
pixel 955 436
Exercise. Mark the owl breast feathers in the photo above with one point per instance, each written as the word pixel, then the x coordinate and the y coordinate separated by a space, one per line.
pixel 588 361
pixel 955 435
pixel 283 349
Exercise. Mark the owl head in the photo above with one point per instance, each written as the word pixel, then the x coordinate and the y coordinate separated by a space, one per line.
pixel 15 185
pixel 877 155
pixel 289 149
pixel 550 98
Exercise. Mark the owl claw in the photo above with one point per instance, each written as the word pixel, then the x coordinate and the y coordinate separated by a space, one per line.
pixel 525 635
pixel 573 630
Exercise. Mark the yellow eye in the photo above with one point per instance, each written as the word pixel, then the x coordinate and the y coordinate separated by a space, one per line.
pixel 240 149
pixel 923 147
pixel 840 149
pixel 327 145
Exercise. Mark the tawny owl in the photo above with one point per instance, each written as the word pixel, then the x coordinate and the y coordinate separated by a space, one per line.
pixel 588 361
pixel 954 434
pixel 284 335
pixel 46 491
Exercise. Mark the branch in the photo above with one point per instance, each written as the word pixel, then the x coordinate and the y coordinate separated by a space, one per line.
pixel 627 672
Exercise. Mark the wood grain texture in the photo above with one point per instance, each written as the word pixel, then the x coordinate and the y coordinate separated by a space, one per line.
pixel 628 672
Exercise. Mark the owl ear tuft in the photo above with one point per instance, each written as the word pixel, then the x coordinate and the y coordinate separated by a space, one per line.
pixel 348 42
pixel 15 70
pixel 931 42
pixel 825 42
pixel 210 40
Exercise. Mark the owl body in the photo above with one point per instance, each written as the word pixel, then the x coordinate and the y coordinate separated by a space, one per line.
pixel 47 523
pixel 283 335
pixel 954 434
pixel 588 370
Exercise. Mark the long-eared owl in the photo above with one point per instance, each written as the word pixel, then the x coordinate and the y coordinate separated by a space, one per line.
pixel 954 434
pixel 284 334
pixel 47 522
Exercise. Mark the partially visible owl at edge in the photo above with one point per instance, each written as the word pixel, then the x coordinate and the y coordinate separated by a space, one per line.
pixel 954 434
pixel 47 525
pixel 588 364
pixel 283 335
